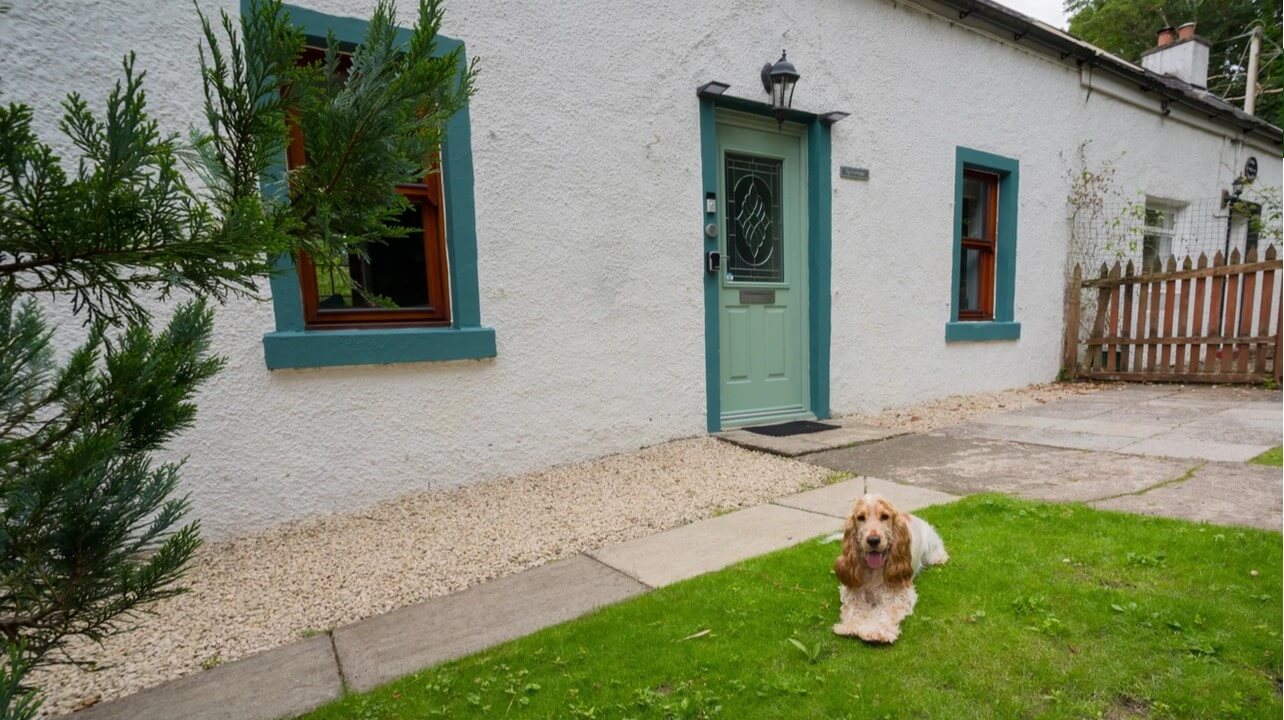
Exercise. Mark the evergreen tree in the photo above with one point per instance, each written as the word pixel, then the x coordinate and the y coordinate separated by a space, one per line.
pixel 91 528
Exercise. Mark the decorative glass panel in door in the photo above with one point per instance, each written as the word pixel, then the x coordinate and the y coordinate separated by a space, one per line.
pixel 754 232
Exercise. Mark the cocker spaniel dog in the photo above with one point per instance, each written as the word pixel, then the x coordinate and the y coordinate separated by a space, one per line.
pixel 883 549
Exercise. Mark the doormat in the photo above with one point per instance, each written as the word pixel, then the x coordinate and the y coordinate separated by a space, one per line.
pixel 795 427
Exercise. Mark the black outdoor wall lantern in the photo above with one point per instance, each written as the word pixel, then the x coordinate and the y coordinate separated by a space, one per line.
pixel 778 80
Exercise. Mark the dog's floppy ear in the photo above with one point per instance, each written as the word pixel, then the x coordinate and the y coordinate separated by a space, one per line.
pixel 847 566
pixel 900 565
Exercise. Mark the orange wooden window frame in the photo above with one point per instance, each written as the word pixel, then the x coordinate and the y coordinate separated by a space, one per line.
pixel 427 195
pixel 986 245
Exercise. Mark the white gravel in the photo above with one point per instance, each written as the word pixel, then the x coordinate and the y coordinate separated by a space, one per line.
pixel 302 578
pixel 266 590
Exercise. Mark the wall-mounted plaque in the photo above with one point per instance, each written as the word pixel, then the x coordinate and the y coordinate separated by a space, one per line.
pixel 847 172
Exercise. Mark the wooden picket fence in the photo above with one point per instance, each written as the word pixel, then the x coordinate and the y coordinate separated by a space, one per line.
pixel 1206 323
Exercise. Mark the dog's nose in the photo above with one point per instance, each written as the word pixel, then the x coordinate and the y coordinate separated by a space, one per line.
pixel 874 541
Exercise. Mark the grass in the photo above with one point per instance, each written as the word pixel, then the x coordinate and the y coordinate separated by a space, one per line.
pixel 1270 457
pixel 1048 611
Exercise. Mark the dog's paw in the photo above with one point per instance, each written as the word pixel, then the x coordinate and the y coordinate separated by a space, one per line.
pixel 942 558
pixel 847 630
pixel 883 636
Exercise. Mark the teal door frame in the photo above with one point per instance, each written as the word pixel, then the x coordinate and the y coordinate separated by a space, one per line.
pixel 819 244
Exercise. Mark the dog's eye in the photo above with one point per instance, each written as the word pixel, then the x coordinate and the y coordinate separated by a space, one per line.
pixel 860 518
pixel 884 517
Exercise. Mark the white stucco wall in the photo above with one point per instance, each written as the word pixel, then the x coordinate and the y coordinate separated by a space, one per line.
pixel 588 204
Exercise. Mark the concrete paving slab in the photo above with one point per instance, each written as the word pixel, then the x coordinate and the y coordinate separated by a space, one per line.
pixel 849 432
pixel 1194 446
pixel 1055 436
pixel 961 465
pixel 1242 426
pixel 1243 393
pixel 1222 493
pixel 1104 426
pixel 1256 413
pixel 282 682
pixel 1138 392
pixel 1152 414
pixel 1192 403
pixel 1068 410
pixel 715 543
pixel 837 499
pixel 378 650
pixel 1063 438
pixel 1015 420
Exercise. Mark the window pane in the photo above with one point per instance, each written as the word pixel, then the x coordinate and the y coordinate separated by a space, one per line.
pixel 970 280
pixel 754 241
pixel 975 204
pixel 391 276
pixel 1155 250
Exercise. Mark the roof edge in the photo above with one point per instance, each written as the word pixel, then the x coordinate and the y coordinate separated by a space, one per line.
pixel 1026 28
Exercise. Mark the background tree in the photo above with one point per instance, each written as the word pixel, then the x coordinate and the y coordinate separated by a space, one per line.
pixel 90 527
pixel 1128 27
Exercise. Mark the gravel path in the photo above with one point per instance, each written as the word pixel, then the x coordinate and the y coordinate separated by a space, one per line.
pixel 303 578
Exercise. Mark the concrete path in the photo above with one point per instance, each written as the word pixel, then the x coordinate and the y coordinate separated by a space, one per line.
pixel 1229 424
pixel 1160 450
pixel 291 680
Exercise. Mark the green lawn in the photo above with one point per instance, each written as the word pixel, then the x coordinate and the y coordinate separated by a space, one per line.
pixel 1047 611
pixel 1270 457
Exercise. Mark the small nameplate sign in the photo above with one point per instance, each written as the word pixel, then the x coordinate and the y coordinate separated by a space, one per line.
pixel 847 172
pixel 757 297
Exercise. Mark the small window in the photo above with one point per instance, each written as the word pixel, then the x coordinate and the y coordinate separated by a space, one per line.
pixel 978 236
pixel 401 280
pixel 1157 237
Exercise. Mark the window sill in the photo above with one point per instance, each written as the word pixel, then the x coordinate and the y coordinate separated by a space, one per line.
pixel 980 331
pixel 375 346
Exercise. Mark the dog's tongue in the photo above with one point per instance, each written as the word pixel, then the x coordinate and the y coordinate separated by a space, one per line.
pixel 874 559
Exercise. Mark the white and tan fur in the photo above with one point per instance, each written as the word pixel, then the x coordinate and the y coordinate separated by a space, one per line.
pixel 883 549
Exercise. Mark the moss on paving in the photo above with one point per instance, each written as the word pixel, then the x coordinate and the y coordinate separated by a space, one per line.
pixel 1272 457
pixel 1050 611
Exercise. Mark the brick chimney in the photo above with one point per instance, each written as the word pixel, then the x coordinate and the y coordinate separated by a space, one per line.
pixel 1184 56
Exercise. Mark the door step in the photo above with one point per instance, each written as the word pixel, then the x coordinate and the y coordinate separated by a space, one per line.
pixel 840 436
pixel 794 427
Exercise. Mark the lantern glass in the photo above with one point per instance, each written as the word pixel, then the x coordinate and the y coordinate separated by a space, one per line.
pixel 779 79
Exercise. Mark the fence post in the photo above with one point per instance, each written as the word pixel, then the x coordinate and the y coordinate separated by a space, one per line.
pixel 1183 312
pixel 1125 331
pixel 1098 326
pixel 1279 327
pixel 1267 291
pixel 1070 354
pixel 1247 294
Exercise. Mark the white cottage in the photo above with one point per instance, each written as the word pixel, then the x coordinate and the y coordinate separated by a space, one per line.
pixel 627 247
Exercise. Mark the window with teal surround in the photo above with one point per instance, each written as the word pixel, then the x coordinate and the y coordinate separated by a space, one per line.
pixel 1004 325
pixel 292 345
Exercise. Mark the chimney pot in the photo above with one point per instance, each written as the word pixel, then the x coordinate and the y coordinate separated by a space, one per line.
pixel 1184 57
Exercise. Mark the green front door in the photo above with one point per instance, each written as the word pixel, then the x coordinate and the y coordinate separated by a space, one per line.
pixel 762 289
